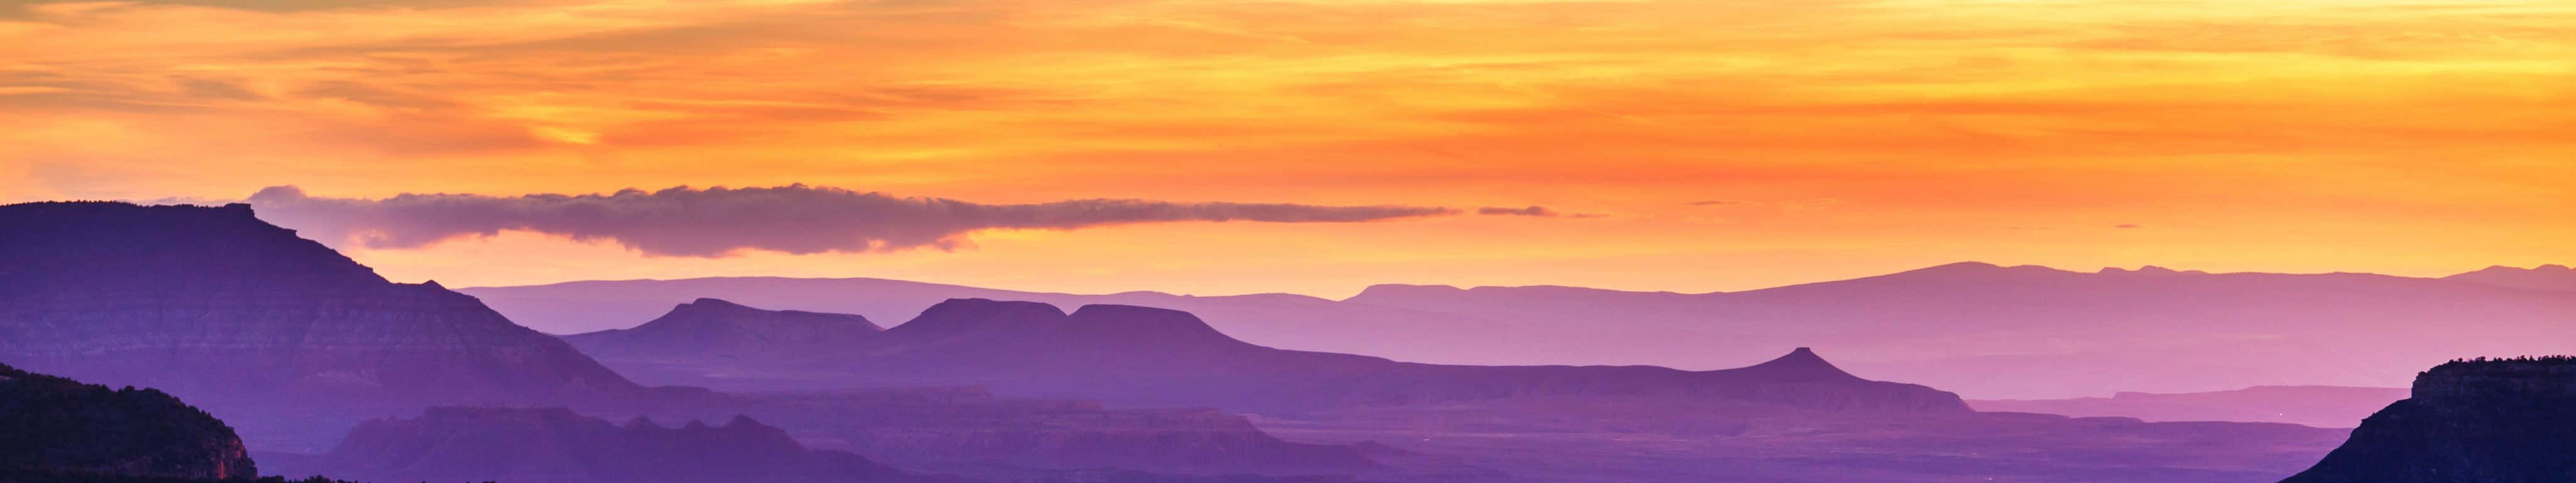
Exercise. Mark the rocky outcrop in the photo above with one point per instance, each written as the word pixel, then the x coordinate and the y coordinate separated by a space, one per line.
pixel 2483 421
pixel 63 428
pixel 711 328
pixel 269 330
pixel 554 445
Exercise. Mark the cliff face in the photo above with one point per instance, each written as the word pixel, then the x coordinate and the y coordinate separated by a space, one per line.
pixel 554 445
pixel 2485 421
pixel 244 317
pixel 52 425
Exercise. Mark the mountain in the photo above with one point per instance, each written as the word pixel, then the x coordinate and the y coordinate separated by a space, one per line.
pixel 1143 356
pixel 711 328
pixel 56 426
pixel 2557 278
pixel 285 338
pixel 555 445
pixel 2319 406
pixel 2485 420
pixel 2021 332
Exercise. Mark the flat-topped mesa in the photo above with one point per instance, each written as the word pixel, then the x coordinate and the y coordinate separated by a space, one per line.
pixel 140 246
pixel 1146 327
pixel 2482 420
pixel 2530 378
pixel 717 315
pixel 269 330
pixel 970 317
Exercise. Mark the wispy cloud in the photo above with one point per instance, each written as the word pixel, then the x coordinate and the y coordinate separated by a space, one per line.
pixel 715 222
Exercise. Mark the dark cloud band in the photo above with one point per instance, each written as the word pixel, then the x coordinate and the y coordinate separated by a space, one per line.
pixel 714 222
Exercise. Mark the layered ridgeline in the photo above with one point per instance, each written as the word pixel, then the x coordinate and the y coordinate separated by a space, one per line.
pixel 51 427
pixel 555 445
pixel 1155 357
pixel 716 329
pixel 1961 327
pixel 279 335
pixel 2474 421
pixel 2318 406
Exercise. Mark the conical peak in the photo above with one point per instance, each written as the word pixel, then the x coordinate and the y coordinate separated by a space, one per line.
pixel 1802 362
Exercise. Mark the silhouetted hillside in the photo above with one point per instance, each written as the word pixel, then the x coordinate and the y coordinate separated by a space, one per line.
pixel 61 428
pixel 2471 421
pixel 280 335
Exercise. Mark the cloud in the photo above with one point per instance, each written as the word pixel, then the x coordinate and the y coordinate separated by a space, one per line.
pixel 1524 211
pixel 2125 226
pixel 715 222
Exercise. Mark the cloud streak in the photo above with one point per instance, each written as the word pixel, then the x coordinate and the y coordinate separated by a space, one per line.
pixel 716 222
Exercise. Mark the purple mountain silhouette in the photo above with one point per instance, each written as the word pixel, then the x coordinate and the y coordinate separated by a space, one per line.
pixel 1982 329
pixel 718 329
pixel 1157 357
pixel 2557 278
pixel 282 337
pixel 2319 406
pixel 2485 420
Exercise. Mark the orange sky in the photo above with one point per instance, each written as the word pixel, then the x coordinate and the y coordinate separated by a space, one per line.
pixel 1835 138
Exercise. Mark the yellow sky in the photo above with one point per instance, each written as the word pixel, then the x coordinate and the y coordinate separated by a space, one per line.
pixel 1830 138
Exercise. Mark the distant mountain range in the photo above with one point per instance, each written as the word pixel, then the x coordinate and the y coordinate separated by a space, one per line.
pixel 1992 331
pixel 2470 421
pixel 2319 406
pixel 1157 357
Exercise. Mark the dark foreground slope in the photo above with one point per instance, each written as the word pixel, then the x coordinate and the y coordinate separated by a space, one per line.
pixel 2482 421
pixel 1143 356
pixel 279 335
pixel 554 445
pixel 65 429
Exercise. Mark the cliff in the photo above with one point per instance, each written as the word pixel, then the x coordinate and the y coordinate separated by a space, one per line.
pixel 2484 421
pixel 267 329
pixel 55 426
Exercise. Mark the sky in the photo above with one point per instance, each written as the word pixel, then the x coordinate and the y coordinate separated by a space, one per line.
pixel 1215 147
